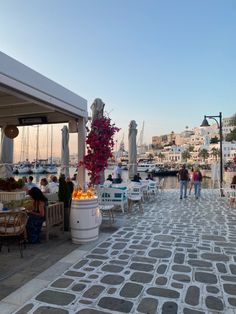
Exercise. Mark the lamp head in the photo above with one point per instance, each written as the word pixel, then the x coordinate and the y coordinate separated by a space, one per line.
pixel 205 122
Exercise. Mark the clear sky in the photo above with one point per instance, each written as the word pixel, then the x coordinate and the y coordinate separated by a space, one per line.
pixel 164 62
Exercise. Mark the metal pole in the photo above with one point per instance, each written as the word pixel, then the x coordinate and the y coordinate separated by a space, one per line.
pixel 221 155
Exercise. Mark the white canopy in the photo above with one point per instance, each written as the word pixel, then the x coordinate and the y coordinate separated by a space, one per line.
pixel 24 93
pixel 29 98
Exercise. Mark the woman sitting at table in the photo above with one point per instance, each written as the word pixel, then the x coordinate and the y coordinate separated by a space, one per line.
pixel 36 215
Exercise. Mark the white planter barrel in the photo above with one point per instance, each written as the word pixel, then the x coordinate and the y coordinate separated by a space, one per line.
pixel 85 219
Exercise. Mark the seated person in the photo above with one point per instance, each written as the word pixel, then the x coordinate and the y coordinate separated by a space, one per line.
pixel 118 179
pixel 150 177
pixel 136 178
pixel 44 187
pixel 53 185
pixel 139 177
pixel 36 215
pixel 109 178
pixel 30 184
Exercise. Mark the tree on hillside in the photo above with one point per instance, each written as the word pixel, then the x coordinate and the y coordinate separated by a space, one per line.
pixel 231 136
pixel 215 152
pixel 214 140
pixel 150 156
pixel 203 153
pixel 161 156
pixel 186 155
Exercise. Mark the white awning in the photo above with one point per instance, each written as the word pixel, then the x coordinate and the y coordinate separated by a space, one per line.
pixel 27 97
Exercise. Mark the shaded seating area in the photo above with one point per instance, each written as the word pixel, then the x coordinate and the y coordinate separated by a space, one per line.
pixel 13 229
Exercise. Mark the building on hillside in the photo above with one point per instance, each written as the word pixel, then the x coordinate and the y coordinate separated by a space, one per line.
pixel 163 140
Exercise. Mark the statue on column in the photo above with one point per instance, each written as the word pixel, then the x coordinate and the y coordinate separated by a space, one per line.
pixel 97 109
pixel 132 149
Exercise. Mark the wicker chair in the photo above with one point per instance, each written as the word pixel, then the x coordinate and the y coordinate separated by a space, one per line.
pixel 13 229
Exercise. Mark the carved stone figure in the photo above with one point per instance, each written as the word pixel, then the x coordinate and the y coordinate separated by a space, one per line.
pixel 97 109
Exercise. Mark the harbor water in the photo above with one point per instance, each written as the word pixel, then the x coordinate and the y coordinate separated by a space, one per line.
pixel 170 182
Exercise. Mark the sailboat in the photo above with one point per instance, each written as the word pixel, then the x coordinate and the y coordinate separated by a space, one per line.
pixel 38 168
pixel 52 168
pixel 24 166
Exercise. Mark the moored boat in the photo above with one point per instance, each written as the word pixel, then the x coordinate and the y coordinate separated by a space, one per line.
pixel 51 169
pixel 146 167
pixel 165 172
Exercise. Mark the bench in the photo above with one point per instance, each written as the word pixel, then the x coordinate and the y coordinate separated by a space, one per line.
pixel 54 216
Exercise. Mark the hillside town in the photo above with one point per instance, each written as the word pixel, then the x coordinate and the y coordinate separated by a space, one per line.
pixel 199 145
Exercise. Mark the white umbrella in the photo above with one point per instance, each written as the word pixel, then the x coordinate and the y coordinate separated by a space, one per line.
pixel 6 156
pixel 132 168
pixel 65 151
pixel 215 174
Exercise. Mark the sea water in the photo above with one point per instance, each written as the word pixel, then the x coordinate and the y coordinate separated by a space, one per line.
pixel 169 183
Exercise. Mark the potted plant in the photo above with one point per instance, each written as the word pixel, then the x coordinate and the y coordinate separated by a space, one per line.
pixel 12 191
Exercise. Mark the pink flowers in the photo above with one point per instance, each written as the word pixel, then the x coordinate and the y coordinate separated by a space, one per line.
pixel 100 144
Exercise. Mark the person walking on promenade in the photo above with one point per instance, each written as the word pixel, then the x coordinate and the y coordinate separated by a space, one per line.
pixel 183 178
pixel 233 183
pixel 197 179
pixel 117 174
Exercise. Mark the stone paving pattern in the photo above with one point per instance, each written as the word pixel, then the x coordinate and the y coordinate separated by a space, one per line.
pixel 179 256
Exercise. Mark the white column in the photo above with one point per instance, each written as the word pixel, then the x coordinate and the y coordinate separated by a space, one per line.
pixel 81 150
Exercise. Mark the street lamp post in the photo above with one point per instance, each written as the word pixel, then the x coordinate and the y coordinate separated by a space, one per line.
pixel 219 124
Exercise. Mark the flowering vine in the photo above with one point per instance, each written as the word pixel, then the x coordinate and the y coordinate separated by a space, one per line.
pixel 100 144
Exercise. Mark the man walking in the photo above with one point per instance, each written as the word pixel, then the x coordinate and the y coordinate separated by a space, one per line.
pixel 183 177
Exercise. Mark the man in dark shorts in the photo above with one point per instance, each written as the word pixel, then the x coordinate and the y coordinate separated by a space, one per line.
pixel 183 177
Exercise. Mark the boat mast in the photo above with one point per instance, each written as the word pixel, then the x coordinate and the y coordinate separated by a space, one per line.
pixel 47 141
pixel 27 143
pixel 22 148
pixel 51 141
pixel 37 145
pixel 140 144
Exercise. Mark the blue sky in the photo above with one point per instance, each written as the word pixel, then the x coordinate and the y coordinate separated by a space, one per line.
pixel 164 62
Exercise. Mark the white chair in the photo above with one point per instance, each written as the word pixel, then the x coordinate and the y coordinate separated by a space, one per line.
pixel 135 195
pixel 160 185
pixel 115 196
pixel 230 194
pixel 145 189
pixel 105 204
pixel 152 188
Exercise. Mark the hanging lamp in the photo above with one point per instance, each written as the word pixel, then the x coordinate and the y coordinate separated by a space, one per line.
pixel 11 131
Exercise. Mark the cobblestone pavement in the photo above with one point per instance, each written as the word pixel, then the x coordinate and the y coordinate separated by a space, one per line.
pixel 179 256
